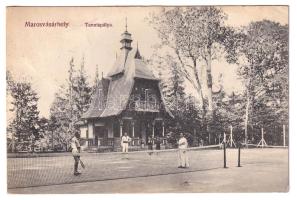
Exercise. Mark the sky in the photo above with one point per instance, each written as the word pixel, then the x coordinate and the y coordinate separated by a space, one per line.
pixel 42 55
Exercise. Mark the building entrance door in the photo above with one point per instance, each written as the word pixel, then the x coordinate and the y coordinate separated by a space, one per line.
pixel 143 131
pixel 101 136
pixel 158 128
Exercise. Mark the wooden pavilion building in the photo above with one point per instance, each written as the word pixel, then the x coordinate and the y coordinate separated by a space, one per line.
pixel 127 100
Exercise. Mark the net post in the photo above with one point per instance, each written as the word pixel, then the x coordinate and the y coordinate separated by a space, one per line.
pixel 231 135
pixel 224 145
pixel 239 146
pixel 284 135
pixel 262 134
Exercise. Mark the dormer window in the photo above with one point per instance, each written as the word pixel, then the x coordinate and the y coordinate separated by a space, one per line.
pixel 150 96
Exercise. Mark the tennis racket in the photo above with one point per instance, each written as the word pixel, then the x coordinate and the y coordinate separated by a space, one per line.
pixel 82 164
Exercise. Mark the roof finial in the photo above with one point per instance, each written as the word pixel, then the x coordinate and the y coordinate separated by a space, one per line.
pixel 137 54
pixel 126 25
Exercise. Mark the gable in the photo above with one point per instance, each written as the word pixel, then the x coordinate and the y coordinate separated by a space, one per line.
pixel 98 101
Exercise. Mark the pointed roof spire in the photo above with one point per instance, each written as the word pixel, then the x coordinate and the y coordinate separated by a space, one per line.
pixel 137 54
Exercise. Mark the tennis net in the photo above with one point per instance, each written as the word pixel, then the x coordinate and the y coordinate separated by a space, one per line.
pixel 54 170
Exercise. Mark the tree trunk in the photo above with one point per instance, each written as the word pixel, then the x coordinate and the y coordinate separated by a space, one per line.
pixel 199 86
pixel 12 142
pixel 246 119
pixel 209 80
pixel 204 122
pixel 247 109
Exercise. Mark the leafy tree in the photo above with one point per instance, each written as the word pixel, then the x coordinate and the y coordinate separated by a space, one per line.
pixel 9 81
pixel 196 35
pixel 229 110
pixel 70 102
pixel 187 116
pixel 43 126
pixel 62 111
pixel 81 92
pixel 172 85
pixel 175 32
pixel 69 96
pixel 24 106
pixel 263 57
pixel 60 117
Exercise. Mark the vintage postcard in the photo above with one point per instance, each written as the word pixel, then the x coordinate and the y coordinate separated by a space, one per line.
pixel 147 99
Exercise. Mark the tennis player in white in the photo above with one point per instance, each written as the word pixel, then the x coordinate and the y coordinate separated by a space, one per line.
pixel 183 160
pixel 125 143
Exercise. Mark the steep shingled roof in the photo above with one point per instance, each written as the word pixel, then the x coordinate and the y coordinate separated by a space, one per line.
pixel 128 65
pixel 99 99
pixel 120 88
pixel 119 65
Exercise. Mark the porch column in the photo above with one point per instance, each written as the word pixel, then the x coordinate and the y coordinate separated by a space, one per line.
pixel 132 123
pixel 87 138
pixel 121 128
pixel 163 129
pixel 94 133
pixel 153 134
pixel 153 130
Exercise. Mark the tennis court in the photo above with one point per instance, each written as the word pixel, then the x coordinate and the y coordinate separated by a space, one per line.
pixel 268 163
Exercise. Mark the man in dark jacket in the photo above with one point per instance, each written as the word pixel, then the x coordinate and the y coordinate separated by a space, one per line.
pixel 75 146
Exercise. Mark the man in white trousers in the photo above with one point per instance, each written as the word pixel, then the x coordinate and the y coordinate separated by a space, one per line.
pixel 183 160
pixel 125 143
